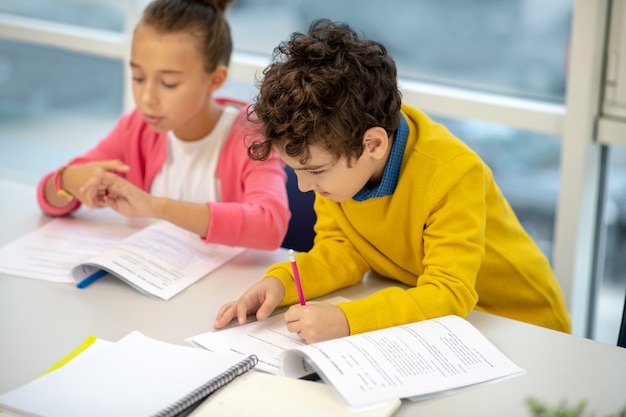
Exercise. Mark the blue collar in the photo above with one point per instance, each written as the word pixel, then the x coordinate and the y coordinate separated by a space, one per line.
pixel 392 170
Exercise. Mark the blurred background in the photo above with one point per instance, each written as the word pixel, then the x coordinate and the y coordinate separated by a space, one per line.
pixel 494 71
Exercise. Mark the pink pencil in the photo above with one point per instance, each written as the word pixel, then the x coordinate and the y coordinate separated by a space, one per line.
pixel 296 276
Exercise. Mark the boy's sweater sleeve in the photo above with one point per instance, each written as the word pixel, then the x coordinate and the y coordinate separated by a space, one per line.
pixel 333 262
pixel 453 252
pixel 453 243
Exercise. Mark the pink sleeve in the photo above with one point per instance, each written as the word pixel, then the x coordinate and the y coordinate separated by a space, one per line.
pixel 254 210
pixel 260 220
pixel 49 208
pixel 131 142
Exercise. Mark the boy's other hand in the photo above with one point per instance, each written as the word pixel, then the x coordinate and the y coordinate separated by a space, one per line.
pixel 317 321
pixel 261 298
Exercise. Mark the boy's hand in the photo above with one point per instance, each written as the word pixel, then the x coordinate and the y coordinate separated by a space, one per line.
pixel 106 189
pixel 262 298
pixel 317 321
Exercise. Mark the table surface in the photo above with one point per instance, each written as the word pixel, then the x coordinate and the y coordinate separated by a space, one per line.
pixel 42 321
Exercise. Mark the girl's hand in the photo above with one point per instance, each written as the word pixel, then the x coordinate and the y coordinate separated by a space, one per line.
pixel 106 189
pixel 317 321
pixel 76 177
pixel 261 298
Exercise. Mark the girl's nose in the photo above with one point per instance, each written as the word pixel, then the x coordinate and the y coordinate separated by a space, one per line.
pixel 149 95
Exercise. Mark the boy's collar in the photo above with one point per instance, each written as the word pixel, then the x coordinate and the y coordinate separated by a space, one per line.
pixel 392 169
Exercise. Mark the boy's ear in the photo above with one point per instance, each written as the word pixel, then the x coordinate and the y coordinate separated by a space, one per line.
pixel 376 142
pixel 218 77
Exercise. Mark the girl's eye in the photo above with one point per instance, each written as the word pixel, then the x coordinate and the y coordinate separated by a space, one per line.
pixel 137 79
pixel 316 172
pixel 169 85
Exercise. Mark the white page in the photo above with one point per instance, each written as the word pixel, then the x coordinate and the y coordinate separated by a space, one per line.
pixel 51 251
pixel 422 358
pixel 161 259
pixel 137 376
pixel 266 339
pixel 261 394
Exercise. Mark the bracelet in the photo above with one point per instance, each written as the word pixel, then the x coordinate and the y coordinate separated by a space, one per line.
pixel 58 185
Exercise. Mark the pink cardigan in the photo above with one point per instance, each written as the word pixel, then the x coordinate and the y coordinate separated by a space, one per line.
pixel 253 211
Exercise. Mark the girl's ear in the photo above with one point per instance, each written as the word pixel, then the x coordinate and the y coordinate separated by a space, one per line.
pixel 217 78
pixel 376 142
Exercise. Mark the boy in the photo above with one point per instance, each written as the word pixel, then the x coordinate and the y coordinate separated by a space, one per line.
pixel 396 193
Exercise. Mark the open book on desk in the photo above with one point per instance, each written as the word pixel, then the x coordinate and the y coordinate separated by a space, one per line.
pixel 415 361
pixel 135 376
pixel 160 259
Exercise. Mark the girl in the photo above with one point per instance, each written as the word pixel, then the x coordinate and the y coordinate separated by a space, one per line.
pixel 181 155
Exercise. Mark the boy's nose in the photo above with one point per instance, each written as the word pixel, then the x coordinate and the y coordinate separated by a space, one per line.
pixel 305 186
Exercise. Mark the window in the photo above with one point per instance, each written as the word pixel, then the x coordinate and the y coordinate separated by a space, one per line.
pixel 516 47
pixel 51 94
pixel 610 276
pixel 95 14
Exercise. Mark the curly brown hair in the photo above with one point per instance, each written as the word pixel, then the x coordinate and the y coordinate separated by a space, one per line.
pixel 203 19
pixel 326 87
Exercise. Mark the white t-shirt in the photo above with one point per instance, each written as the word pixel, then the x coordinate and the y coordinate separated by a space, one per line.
pixel 189 174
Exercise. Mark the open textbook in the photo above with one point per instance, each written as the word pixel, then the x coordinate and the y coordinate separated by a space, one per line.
pixel 160 259
pixel 415 361
pixel 135 376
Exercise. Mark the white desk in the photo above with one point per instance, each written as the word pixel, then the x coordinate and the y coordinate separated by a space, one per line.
pixel 41 321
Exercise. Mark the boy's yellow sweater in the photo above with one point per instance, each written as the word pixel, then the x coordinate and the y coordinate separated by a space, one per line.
pixel 446 231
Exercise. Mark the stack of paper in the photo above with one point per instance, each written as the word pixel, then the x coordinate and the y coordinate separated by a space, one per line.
pixel 136 376
pixel 416 360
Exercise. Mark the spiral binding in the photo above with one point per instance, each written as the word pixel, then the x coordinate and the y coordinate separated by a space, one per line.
pixel 211 386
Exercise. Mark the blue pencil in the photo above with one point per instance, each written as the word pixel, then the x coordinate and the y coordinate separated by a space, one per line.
pixel 91 278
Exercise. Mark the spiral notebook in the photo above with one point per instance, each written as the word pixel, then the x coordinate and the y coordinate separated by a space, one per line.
pixel 136 376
